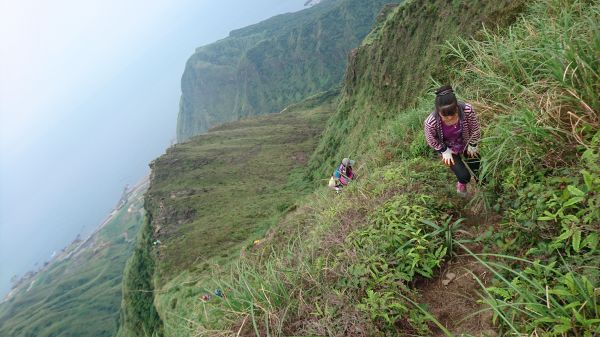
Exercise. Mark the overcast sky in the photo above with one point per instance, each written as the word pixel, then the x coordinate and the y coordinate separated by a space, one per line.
pixel 89 95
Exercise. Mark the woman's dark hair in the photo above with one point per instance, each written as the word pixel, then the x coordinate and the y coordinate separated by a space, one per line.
pixel 445 101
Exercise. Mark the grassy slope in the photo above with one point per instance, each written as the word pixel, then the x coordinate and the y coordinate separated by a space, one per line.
pixel 353 264
pixel 79 296
pixel 214 194
pixel 265 67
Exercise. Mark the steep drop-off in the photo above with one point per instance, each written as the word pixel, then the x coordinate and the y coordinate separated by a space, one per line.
pixel 265 67
pixel 208 198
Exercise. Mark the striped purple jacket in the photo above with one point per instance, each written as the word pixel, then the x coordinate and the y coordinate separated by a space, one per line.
pixel 468 122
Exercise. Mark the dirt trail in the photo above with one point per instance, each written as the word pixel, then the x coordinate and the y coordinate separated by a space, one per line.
pixel 454 302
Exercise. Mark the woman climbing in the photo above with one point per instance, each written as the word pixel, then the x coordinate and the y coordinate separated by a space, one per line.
pixel 342 175
pixel 453 131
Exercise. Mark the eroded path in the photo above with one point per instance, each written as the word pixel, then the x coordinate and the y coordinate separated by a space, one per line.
pixel 453 296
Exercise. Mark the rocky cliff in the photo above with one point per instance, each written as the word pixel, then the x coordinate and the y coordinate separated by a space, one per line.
pixel 264 67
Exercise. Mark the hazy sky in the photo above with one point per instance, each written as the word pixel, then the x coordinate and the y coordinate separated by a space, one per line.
pixel 89 95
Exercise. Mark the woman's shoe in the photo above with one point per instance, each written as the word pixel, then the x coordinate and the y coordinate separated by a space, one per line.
pixel 461 189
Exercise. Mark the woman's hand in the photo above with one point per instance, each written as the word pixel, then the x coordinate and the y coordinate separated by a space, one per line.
pixel 472 150
pixel 447 157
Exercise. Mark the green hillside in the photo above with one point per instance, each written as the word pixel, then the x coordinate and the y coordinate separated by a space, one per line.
pixel 267 66
pixel 397 253
pixel 242 237
pixel 79 292
pixel 210 197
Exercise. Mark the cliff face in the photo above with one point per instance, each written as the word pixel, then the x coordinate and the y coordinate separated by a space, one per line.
pixel 265 67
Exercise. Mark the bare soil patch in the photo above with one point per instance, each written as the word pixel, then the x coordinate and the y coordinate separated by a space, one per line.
pixel 454 305
pixel 452 297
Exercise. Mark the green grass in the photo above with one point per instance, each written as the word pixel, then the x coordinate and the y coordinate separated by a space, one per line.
pixel 340 262
pixel 210 197
pixel 228 186
pixel 79 296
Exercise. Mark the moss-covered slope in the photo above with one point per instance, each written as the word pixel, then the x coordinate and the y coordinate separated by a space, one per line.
pixel 265 67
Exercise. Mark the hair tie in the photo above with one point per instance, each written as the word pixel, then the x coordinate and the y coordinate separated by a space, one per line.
pixel 445 92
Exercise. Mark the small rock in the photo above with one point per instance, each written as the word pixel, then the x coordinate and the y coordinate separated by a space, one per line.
pixel 450 276
pixel 446 282
pixel 489 333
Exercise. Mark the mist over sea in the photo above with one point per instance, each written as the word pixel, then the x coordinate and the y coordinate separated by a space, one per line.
pixel 111 91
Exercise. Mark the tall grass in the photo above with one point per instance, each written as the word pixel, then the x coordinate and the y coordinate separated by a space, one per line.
pixel 537 86
pixel 386 76
pixel 540 299
pixel 270 287
pixel 259 296
pixel 536 89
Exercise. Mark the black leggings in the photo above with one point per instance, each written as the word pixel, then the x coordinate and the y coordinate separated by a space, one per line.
pixel 460 167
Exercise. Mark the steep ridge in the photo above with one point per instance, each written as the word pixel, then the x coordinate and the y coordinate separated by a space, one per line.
pixel 369 261
pixel 78 293
pixel 360 263
pixel 177 298
pixel 267 66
